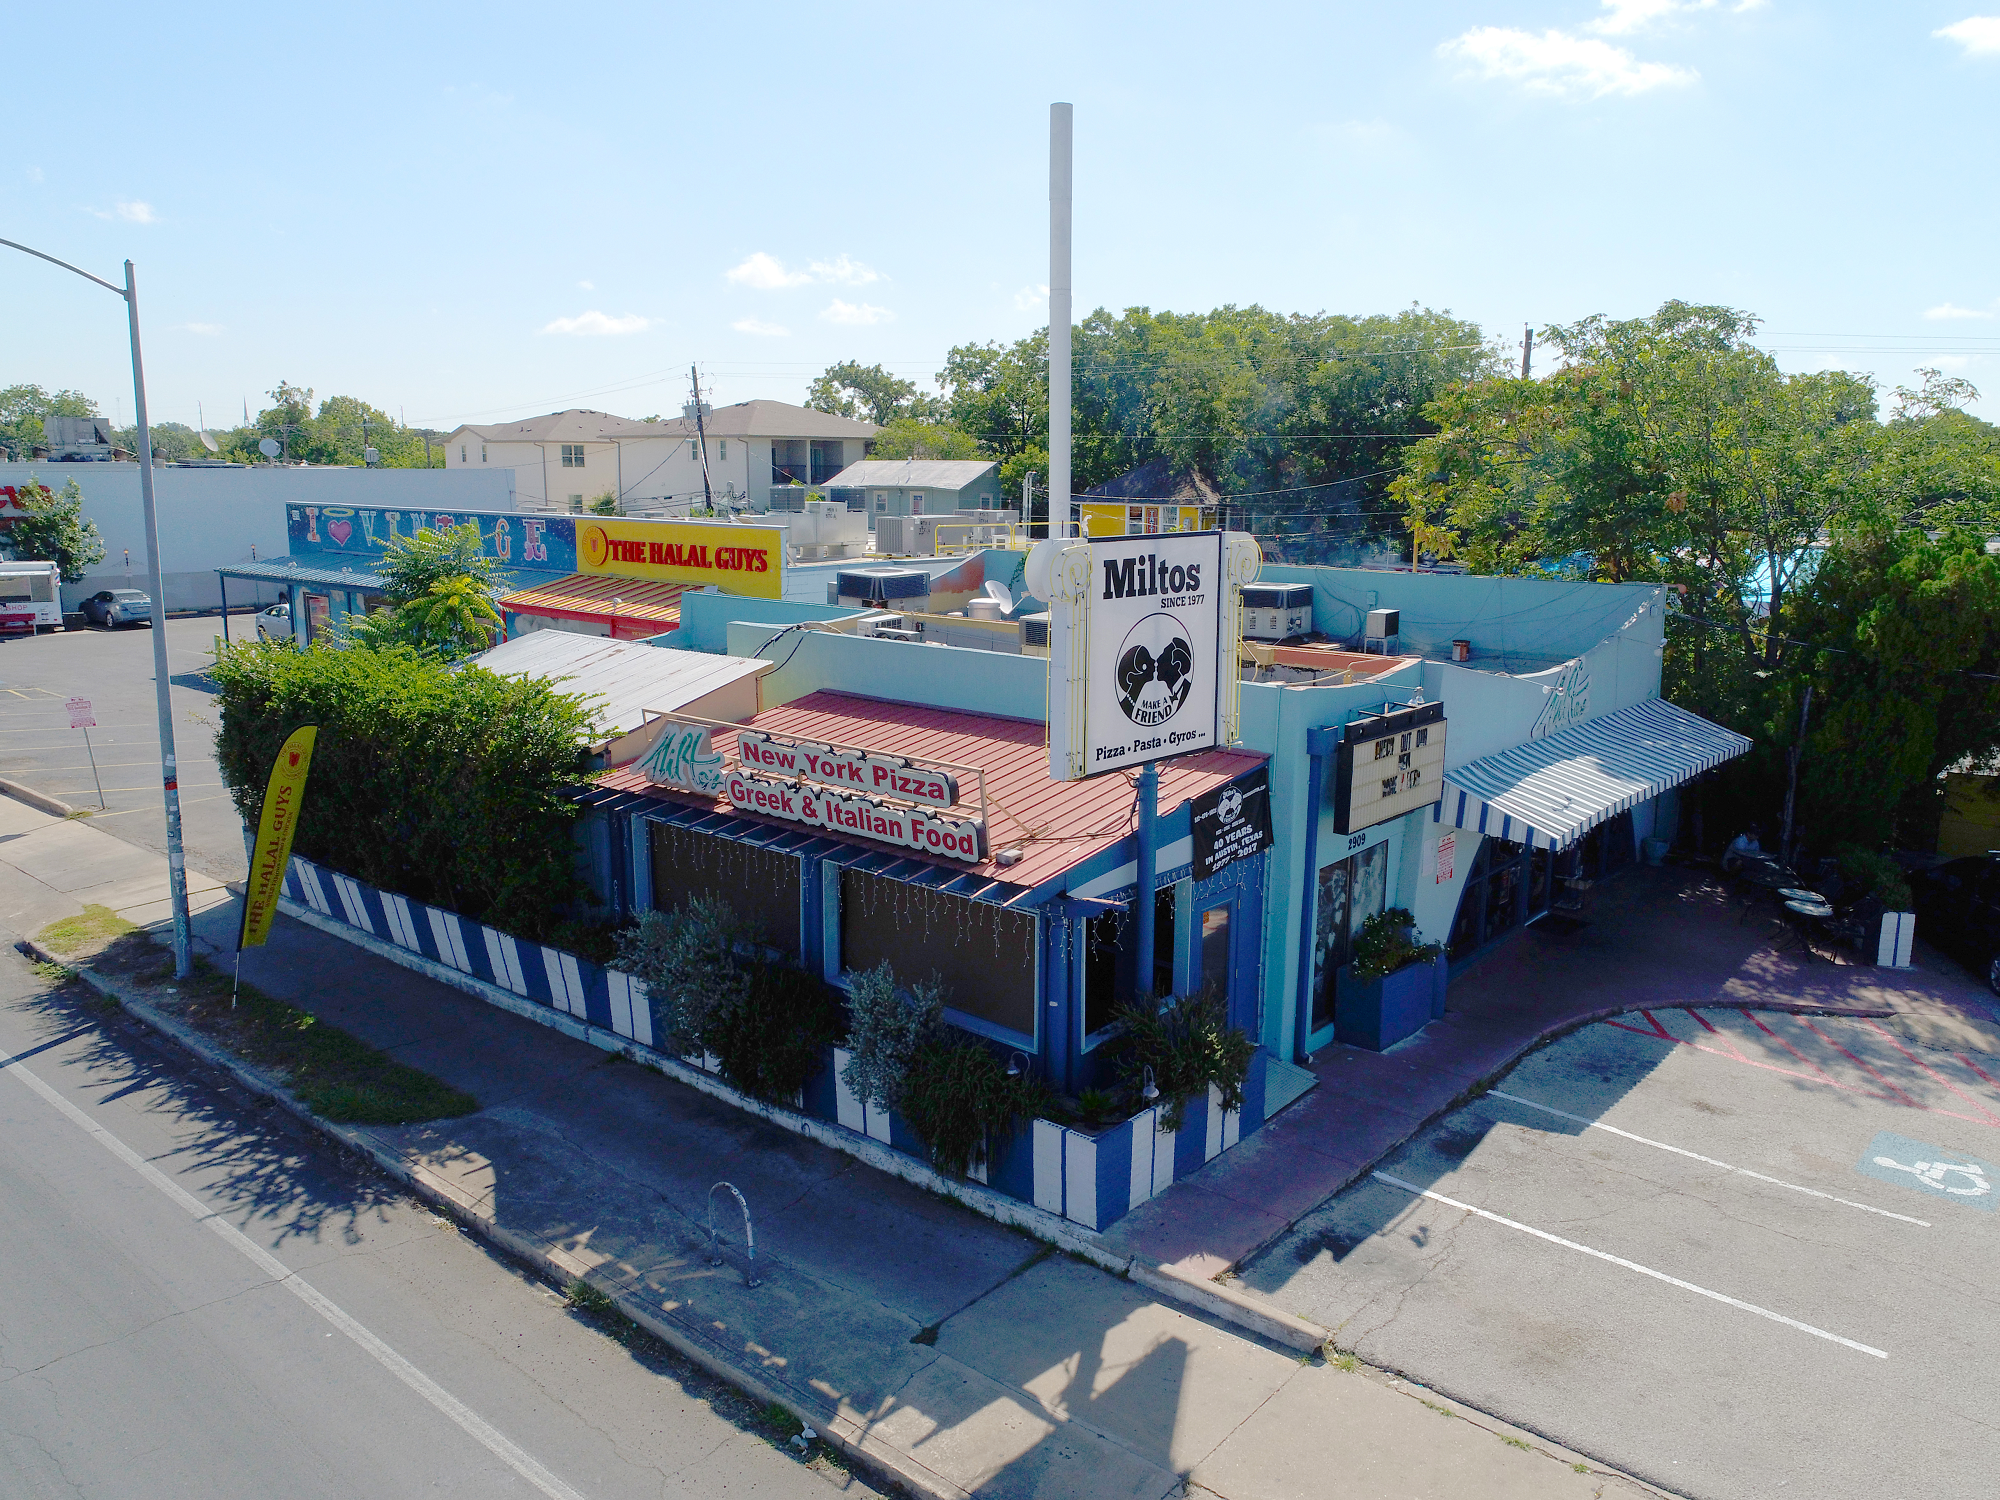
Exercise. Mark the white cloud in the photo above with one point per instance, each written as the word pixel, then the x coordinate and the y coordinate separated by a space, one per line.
pixel 206 330
pixel 587 286
pixel 1635 15
pixel 1951 361
pixel 762 329
pixel 844 270
pixel 1978 35
pixel 837 311
pixel 135 212
pixel 1029 298
pixel 766 273
pixel 597 323
pixel 1560 64
pixel 1948 310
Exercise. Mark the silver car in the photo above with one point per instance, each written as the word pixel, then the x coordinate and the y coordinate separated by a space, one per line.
pixel 275 623
pixel 114 607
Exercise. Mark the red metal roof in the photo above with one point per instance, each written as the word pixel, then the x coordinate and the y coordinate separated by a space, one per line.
pixel 1055 824
pixel 643 607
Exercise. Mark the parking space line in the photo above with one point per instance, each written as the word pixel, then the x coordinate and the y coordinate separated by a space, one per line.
pixel 1991 1118
pixel 1706 1160
pixel 1630 1265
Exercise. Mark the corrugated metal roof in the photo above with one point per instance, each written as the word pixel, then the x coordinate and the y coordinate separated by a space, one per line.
pixel 626 677
pixel 1055 824
pixel 588 596
pixel 925 473
pixel 287 572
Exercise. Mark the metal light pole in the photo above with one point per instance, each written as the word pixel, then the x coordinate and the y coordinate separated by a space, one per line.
pixel 162 688
pixel 1062 120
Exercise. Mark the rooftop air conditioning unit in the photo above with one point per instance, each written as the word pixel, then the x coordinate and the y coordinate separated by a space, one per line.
pixel 863 588
pixel 1276 611
pixel 1383 635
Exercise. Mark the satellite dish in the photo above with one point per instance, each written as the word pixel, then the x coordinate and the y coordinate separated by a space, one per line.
pixel 997 592
pixel 268 447
pixel 210 443
pixel 1041 563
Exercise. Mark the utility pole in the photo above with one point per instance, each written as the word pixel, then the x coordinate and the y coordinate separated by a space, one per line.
pixel 1527 350
pixel 1792 779
pixel 1061 127
pixel 1028 503
pixel 701 441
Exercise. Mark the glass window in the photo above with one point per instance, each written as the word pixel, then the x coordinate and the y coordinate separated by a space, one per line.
pixel 482 453
pixel 576 503
pixel 1350 892
pixel 984 953
pixel 572 455
pixel 1215 950
pixel 1164 908
pixel 760 885
pixel 461 453
pixel 723 450
pixel 1102 946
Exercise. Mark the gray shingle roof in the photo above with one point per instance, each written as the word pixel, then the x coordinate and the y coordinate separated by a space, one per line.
pixel 922 473
pixel 744 419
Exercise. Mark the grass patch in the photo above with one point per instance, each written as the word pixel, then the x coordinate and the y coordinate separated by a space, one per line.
pixel 782 1422
pixel 338 1076
pixel 1346 1363
pixel 93 925
pixel 50 973
pixel 1580 1468
pixel 1514 1442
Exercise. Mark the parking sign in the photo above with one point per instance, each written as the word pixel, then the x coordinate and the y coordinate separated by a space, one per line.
pixel 79 714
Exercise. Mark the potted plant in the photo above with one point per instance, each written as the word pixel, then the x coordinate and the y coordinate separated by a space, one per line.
pixel 1393 986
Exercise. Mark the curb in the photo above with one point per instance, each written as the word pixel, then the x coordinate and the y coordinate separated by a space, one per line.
pixel 853 1439
pixel 40 801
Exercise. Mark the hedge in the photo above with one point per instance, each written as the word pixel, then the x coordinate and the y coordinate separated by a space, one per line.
pixel 453 786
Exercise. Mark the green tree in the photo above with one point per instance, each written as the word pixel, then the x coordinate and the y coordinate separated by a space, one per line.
pixel 455 617
pixel 54 529
pixel 869 393
pixel 22 408
pixel 410 565
pixel 440 589
pixel 906 437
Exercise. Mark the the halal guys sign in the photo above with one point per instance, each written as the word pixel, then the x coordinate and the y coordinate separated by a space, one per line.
pixel 1141 627
pixel 846 791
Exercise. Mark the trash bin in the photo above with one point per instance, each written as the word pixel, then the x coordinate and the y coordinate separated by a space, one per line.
pixel 1655 850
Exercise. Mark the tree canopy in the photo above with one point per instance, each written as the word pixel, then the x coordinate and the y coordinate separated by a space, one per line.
pixel 53 528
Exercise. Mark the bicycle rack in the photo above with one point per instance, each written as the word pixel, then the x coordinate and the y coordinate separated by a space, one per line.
pixel 749 1235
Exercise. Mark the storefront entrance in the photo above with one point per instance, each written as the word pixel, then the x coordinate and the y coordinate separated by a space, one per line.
pixel 1507 887
pixel 1350 891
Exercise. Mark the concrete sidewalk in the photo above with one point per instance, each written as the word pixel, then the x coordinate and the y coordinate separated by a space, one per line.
pixel 946 1350
pixel 1662 938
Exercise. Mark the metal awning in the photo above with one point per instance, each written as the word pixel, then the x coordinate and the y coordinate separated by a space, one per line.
pixel 1553 791
pixel 287 572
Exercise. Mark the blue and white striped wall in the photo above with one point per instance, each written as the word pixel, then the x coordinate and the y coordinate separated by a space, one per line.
pixel 1090 1179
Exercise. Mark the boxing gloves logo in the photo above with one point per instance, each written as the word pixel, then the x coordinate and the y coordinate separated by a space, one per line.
pixel 1154 663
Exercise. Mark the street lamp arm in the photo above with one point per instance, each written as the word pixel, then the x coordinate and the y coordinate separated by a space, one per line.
pixel 30 250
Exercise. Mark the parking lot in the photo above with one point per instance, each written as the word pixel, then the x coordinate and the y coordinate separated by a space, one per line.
pixel 114 670
pixel 1735 1254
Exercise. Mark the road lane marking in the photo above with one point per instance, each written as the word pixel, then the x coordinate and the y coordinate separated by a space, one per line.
pixel 469 1421
pixel 1630 1265
pixel 1706 1160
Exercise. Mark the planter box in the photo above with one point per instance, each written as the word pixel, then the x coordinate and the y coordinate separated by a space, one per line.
pixel 1375 1014
pixel 1892 947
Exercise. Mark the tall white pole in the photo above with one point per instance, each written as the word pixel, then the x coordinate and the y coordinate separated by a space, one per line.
pixel 1061 125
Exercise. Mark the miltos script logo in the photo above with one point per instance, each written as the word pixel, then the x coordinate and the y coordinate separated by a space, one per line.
pixel 1154 661
pixel 1138 577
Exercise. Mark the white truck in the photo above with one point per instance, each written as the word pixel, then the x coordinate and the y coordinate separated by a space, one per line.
pixel 30 597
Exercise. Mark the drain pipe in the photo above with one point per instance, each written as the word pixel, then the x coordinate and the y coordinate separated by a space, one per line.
pixel 1319 747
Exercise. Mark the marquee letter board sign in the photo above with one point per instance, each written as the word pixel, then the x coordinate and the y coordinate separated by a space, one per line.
pixel 1138 629
pixel 1232 822
pixel 1388 764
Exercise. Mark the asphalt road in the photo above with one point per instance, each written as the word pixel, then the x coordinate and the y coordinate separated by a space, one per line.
pixel 204 1301
pixel 1790 1310
pixel 114 669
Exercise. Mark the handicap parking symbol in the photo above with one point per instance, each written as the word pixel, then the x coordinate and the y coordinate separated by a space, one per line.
pixel 1930 1169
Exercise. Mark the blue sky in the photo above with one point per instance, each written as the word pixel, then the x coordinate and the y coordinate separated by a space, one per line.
pixel 471 213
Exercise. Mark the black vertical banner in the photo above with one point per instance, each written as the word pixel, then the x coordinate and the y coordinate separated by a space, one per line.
pixel 1232 822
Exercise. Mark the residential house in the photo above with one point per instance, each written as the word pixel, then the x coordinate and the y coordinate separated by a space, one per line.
pixel 566 460
pixel 918 487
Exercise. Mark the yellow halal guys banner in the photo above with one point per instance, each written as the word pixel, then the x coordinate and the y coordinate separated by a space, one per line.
pixel 736 559
pixel 275 827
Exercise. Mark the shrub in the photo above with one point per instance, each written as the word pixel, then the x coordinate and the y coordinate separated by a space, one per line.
pixel 1385 944
pixel 1877 875
pixel 886 1029
pixel 1189 1044
pixel 957 1097
pixel 451 786
pixel 767 1024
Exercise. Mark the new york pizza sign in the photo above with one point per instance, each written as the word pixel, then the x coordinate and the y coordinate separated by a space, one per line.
pixel 857 813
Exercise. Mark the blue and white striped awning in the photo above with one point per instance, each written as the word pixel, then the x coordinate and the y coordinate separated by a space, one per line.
pixel 1553 791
